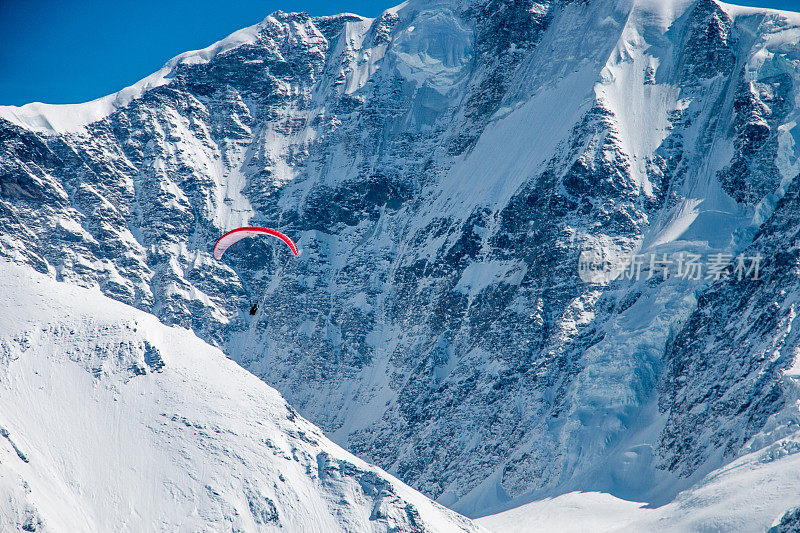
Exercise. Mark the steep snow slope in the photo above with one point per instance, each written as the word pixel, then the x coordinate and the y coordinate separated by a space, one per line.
pixel 442 168
pixel 753 493
pixel 69 118
pixel 745 337
pixel 110 421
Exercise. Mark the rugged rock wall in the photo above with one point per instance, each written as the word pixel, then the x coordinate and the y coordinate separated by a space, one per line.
pixel 442 167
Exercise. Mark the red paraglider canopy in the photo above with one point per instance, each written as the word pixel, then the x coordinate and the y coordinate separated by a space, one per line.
pixel 236 235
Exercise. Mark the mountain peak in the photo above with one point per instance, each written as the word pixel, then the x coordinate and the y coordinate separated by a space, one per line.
pixel 445 172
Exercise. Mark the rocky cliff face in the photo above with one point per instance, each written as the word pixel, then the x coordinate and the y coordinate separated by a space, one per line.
pixel 442 167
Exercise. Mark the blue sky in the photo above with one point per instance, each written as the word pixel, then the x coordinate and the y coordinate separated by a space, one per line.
pixel 77 50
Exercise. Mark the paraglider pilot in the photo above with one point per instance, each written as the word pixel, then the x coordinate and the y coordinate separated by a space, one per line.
pixel 236 235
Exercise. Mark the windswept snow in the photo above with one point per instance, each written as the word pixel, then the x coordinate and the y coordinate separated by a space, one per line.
pixel 110 421
pixel 444 165
pixel 751 494
pixel 71 118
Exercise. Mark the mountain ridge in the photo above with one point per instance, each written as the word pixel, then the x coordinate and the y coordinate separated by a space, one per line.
pixel 441 171
pixel 156 429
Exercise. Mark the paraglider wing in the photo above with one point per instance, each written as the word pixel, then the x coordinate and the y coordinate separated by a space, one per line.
pixel 234 236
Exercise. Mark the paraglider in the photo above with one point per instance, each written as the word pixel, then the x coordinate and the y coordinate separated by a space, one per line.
pixel 236 235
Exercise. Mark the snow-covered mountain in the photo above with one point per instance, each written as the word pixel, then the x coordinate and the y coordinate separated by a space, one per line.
pixel 442 167
pixel 111 421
